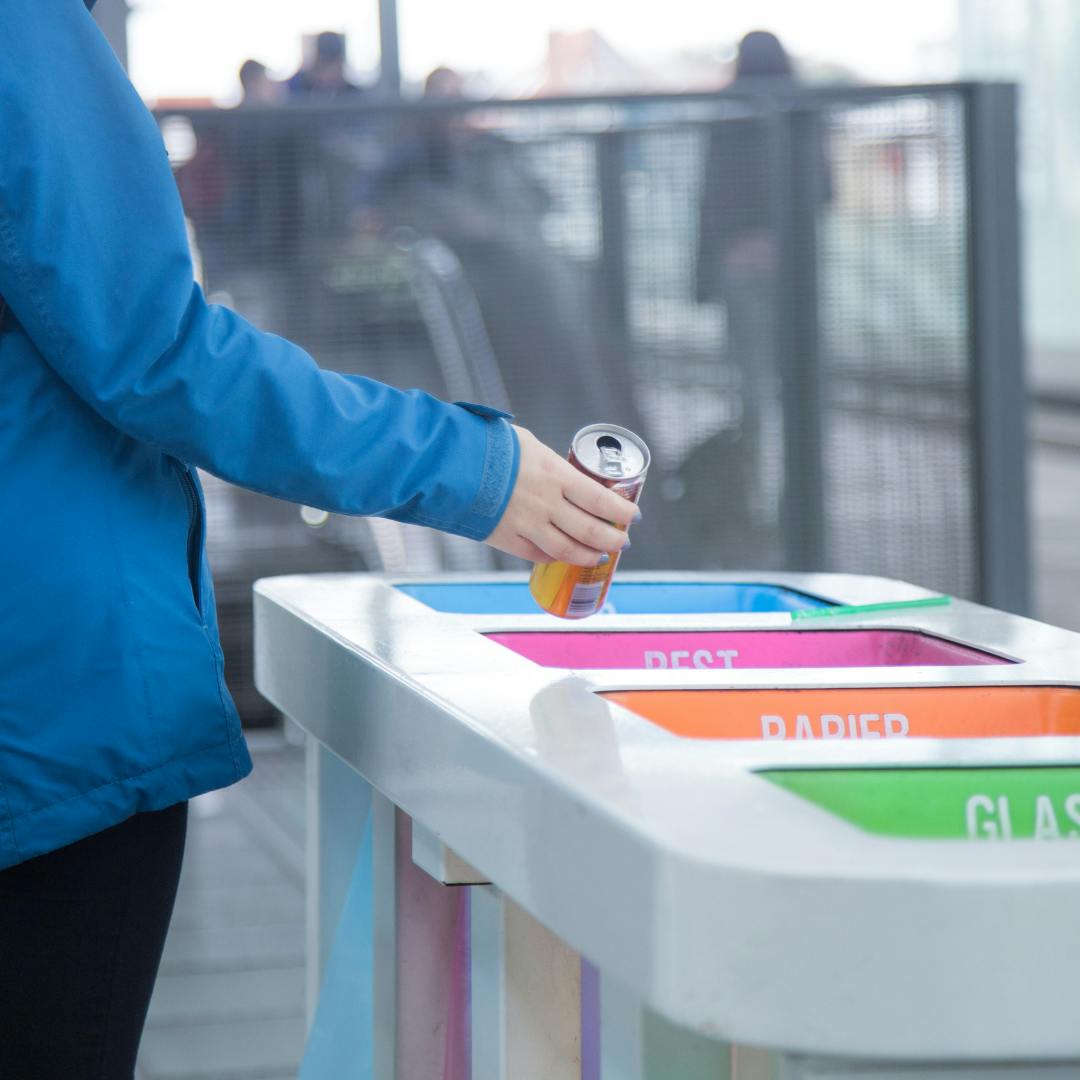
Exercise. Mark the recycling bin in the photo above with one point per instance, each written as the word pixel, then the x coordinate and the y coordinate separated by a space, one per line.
pixel 698 836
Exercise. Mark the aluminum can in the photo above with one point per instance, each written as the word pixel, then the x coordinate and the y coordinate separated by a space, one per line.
pixel 619 460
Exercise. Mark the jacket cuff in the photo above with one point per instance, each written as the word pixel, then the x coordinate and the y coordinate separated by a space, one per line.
pixel 498 476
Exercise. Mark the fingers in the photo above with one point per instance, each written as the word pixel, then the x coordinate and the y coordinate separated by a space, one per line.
pixel 556 512
pixel 586 530
pixel 563 548
pixel 521 547
pixel 592 497
pixel 557 548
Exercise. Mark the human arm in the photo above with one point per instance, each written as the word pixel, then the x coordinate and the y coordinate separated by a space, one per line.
pixel 95 266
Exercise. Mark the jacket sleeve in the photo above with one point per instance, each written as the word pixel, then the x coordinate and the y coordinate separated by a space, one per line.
pixel 95 266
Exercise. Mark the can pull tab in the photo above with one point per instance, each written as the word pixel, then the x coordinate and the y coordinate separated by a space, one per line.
pixel 611 456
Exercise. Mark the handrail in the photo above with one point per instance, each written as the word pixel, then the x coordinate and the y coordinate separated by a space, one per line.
pixel 776 95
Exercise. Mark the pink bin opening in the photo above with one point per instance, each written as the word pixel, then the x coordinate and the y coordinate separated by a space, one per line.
pixel 744 649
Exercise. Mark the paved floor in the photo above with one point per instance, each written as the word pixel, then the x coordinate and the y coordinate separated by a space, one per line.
pixel 230 999
pixel 229 1003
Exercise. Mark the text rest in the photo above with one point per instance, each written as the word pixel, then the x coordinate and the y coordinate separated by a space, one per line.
pixel 685 658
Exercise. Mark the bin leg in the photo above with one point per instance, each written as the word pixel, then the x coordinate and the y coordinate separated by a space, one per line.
pixel 526 995
pixel 338 807
pixel 432 970
pixel 676 1051
pixel 621 1041
pixel 750 1063
pixel 636 1044
pixel 351 925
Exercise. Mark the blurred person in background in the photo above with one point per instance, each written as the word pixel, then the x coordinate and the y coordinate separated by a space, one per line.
pixel 322 75
pixel 425 143
pixel 762 56
pixel 444 84
pixel 119 380
pixel 737 234
pixel 738 268
pixel 256 85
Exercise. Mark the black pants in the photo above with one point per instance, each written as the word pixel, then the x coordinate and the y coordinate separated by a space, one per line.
pixel 81 934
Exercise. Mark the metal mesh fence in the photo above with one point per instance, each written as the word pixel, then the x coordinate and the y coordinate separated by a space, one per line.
pixel 896 349
pixel 774 291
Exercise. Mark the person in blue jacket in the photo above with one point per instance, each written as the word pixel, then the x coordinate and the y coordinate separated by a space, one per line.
pixel 119 379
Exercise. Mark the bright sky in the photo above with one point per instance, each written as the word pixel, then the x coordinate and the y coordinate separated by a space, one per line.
pixel 193 48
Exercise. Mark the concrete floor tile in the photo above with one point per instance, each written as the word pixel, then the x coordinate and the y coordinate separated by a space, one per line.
pixel 203 949
pixel 238 1050
pixel 230 905
pixel 227 996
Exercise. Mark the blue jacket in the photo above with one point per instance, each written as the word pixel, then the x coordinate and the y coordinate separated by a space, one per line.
pixel 119 378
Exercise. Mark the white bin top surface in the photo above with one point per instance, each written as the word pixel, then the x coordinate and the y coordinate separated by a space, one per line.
pixel 859 899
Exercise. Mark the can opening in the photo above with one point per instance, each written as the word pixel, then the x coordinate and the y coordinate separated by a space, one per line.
pixel 611 459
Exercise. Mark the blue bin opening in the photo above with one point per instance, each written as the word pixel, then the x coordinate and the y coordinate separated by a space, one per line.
pixel 625 598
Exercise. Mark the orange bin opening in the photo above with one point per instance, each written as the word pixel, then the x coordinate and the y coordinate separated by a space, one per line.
pixel 955 712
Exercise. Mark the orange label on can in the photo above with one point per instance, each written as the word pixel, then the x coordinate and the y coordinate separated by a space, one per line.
pixel 955 712
pixel 572 592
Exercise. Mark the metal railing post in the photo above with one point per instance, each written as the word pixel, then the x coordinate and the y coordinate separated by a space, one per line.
pixel 112 16
pixel 389 51
pixel 610 172
pixel 997 369
pixel 796 184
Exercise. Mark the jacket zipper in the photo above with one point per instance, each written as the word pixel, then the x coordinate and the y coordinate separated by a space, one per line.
pixel 194 569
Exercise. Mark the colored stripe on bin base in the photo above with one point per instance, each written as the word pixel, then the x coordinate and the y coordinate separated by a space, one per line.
pixel 342 1035
pixel 430 984
pixel 590 1021
pixel 432 950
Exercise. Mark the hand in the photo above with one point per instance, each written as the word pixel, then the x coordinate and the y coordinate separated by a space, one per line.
pixel 558 513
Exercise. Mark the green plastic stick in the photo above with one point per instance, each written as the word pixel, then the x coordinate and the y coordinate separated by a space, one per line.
pixel 868 609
